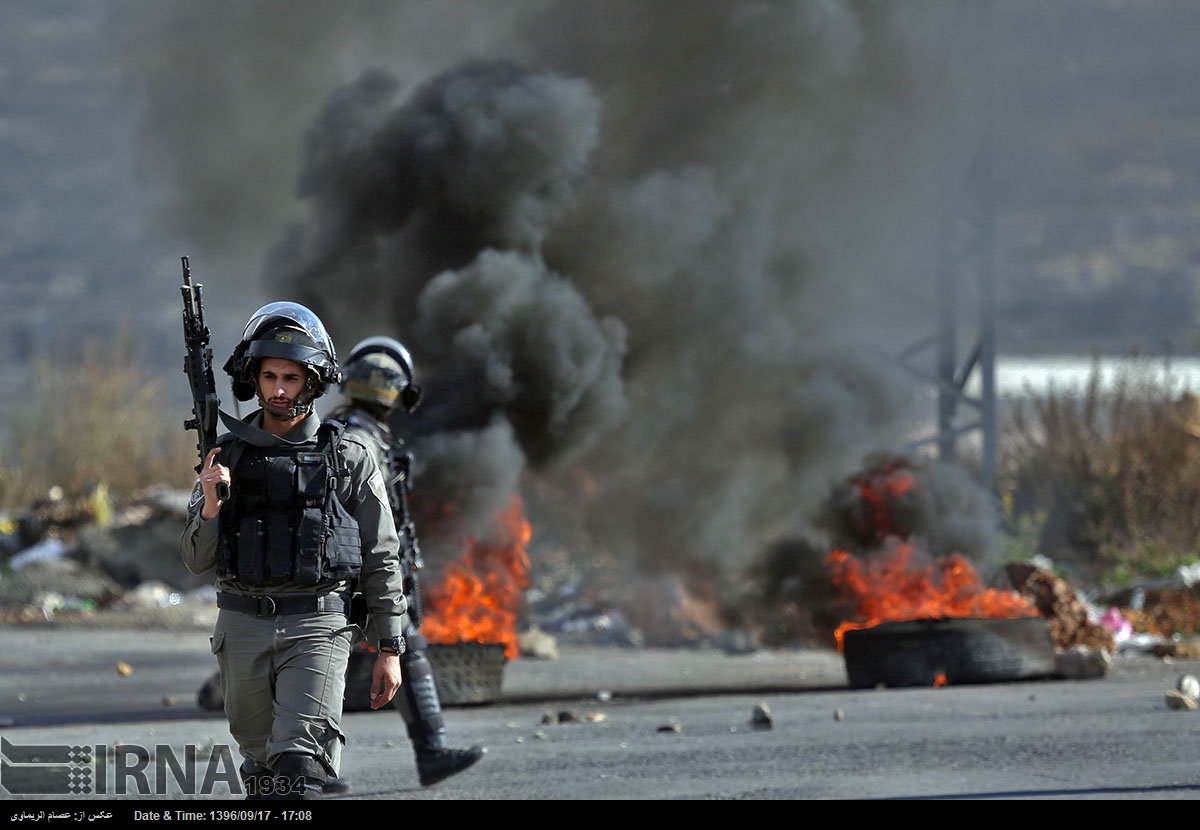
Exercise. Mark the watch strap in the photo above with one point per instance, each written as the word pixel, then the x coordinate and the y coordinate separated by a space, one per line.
pixel 394 645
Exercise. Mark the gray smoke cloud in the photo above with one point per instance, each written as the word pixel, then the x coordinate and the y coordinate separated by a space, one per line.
pixel 429 216
pixel 654 260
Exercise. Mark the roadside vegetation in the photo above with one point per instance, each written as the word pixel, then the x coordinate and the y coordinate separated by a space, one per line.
pixel 1104 480
pixel 94 423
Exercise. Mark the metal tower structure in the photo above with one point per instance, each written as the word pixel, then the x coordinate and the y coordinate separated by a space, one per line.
pixel 962 347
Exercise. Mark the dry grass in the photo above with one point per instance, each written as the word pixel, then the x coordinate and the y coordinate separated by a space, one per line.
pixel 96 420
pixel 1108 477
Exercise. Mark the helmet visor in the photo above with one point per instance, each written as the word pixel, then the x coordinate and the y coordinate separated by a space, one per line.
pixel 292 314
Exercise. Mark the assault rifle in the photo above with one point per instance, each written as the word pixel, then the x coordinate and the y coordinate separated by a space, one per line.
pixel 410 550
pixel 197 365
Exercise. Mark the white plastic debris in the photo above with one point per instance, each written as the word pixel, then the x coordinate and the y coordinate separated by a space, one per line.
pixel 1189 575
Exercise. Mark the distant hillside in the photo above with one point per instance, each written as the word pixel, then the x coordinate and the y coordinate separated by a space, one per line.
pixel 1097 159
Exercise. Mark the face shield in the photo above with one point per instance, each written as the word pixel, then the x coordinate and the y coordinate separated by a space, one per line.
pixel 284 330
pixel 290 315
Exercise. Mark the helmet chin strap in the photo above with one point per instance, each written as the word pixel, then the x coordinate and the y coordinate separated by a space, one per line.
pixel 288 414
pixel 302 406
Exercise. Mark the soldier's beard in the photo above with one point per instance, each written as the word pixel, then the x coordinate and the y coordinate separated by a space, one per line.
pixel 286 410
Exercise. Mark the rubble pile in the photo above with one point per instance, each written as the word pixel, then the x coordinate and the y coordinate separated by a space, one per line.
pixel 1065 612
pixel 68 562
pixel 1165 612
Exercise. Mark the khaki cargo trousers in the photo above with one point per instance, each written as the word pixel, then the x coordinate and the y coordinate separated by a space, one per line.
pixel 284 680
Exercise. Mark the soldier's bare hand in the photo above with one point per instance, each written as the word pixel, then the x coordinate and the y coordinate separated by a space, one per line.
pixel 212 475
pixel 385 679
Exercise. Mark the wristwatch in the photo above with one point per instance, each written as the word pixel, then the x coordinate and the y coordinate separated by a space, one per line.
pixel 395 645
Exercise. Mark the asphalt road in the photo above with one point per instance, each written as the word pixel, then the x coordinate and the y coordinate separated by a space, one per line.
pixel 610 724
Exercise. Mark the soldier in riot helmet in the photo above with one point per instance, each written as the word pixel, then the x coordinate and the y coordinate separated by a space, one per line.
pixel 307 524
pixel 378 382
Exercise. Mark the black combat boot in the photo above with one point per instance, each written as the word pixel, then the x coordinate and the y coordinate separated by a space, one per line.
pixel 256 780
pixel 336 786
pixel 426 728
pixel 298 777
pixel 438 764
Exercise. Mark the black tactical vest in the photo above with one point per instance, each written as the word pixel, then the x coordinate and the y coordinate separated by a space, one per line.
pixel 287 523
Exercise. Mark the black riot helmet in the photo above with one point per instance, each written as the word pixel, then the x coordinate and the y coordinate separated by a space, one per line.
pixel 379 371
pixel 284 330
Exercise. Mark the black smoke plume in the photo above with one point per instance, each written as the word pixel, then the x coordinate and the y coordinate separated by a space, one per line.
pixel 427 219
pixel 654 260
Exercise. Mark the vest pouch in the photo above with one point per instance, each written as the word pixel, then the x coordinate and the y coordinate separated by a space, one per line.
pixel 278 553
pixel 278 528
pixel 250 559
pixel 309 537
pixel 343 542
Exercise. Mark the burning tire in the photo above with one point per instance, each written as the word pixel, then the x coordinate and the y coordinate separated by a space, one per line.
pixel 949 651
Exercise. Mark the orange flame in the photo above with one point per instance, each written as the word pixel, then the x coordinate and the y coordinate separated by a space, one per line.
pixel 480 597
pixel 890 588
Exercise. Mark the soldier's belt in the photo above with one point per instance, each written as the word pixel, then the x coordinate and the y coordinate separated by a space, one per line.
pixel 269 606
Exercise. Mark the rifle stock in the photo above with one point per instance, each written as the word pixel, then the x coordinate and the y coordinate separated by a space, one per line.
pixel 197 365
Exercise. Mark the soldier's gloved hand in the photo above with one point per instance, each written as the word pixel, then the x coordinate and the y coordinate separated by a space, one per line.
pixel 385 679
